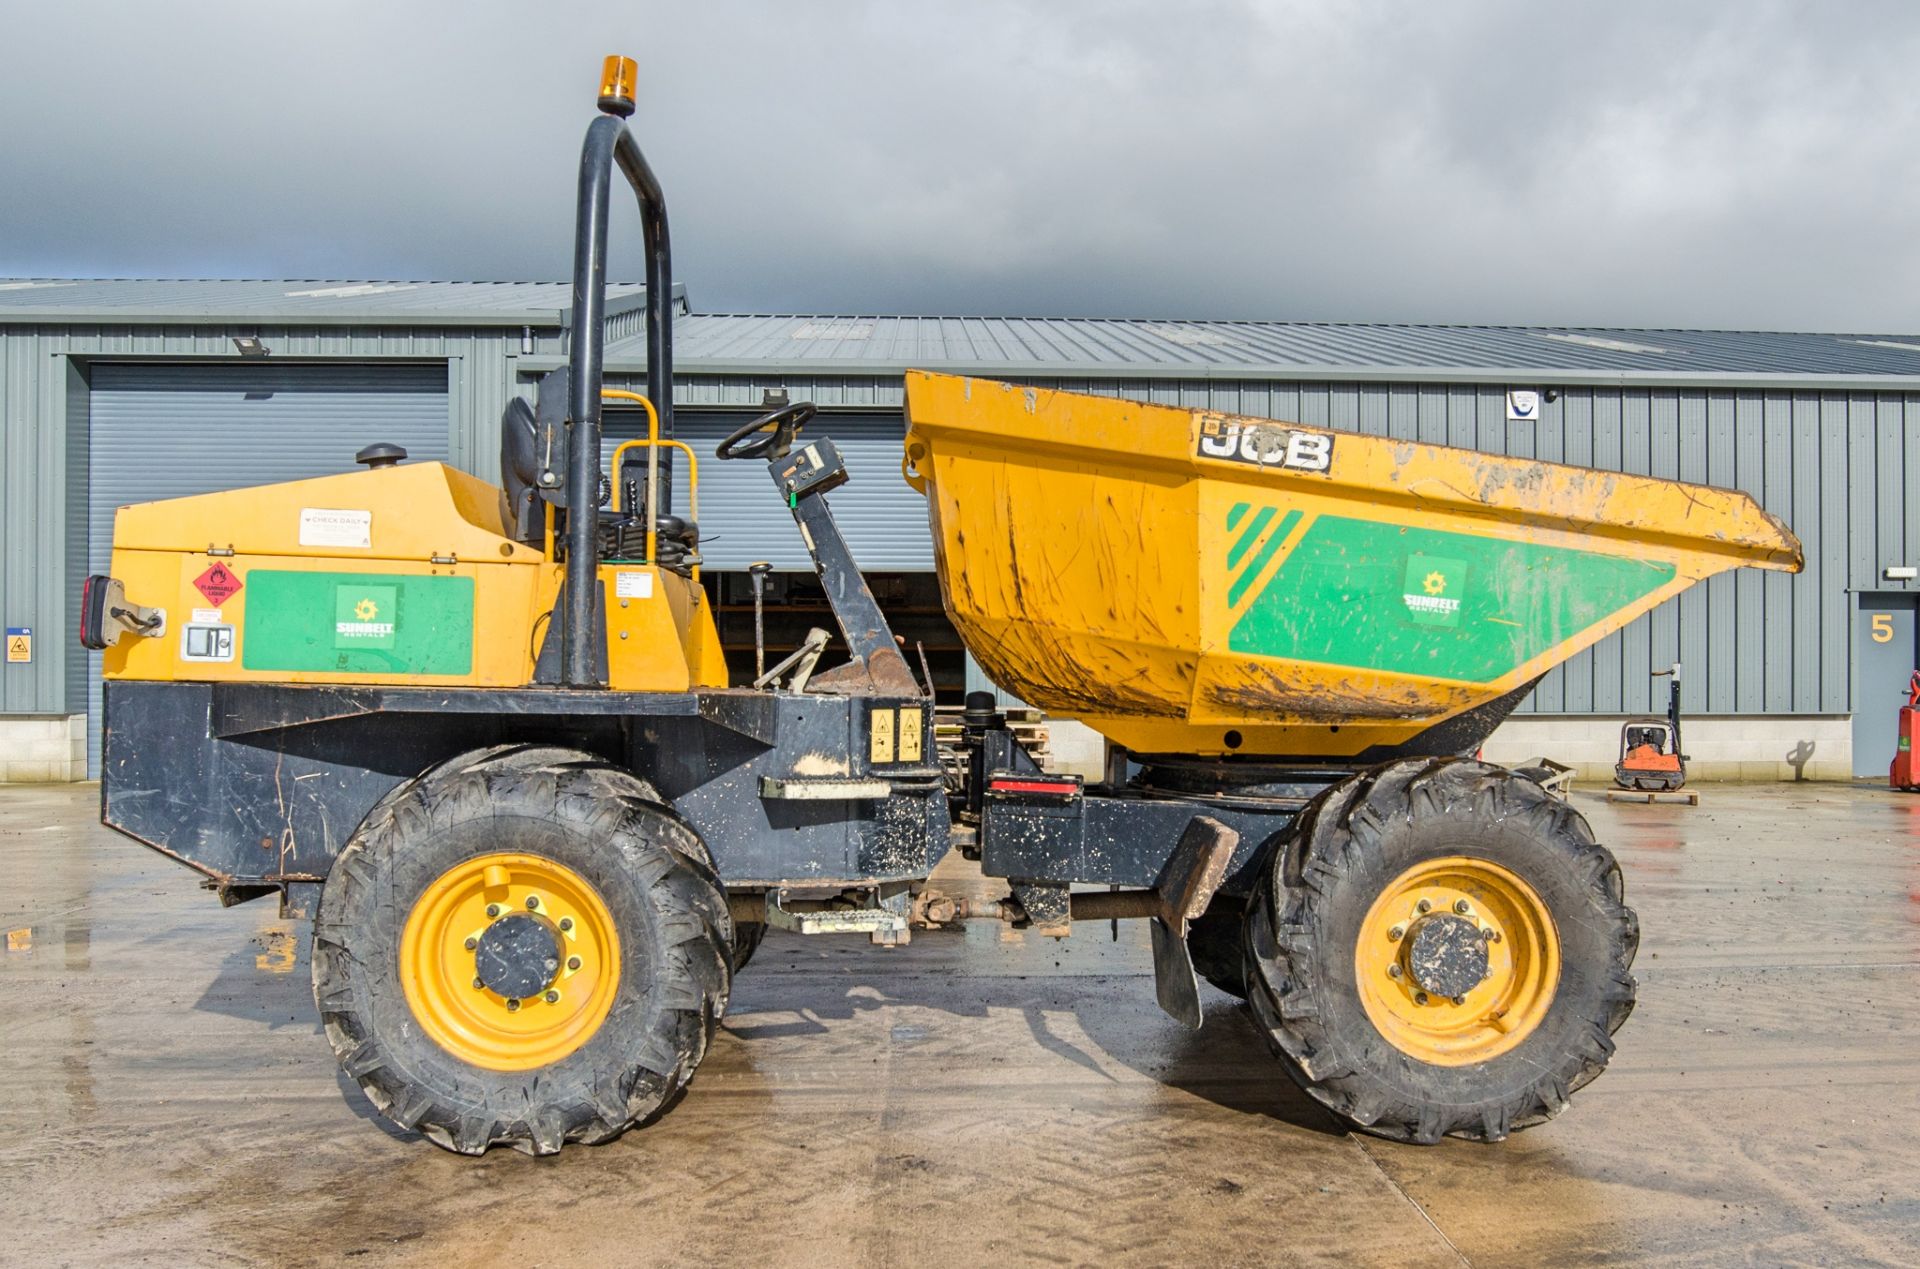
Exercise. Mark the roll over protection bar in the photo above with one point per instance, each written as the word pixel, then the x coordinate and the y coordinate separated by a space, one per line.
pixel 608 143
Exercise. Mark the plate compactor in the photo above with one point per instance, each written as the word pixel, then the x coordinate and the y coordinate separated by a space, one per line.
pixel 1650 756
pixel 484 735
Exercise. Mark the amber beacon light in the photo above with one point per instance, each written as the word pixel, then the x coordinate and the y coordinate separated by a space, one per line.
pixel 617 77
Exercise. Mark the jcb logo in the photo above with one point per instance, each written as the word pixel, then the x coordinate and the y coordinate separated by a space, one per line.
pixel 1265 445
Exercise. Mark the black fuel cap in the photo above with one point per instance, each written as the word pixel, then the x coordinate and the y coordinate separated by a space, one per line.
pixel 381 454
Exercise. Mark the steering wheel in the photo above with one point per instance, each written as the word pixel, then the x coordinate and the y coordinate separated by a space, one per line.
pixel 780 427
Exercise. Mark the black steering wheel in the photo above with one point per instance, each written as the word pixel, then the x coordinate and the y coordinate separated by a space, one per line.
pixel 779 428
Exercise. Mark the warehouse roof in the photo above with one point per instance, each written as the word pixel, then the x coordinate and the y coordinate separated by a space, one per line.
pixel 295 301
pixel 1017 346
pixel 1093 347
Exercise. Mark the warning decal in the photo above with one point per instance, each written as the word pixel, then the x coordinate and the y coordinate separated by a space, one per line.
pixel 218 584
pixel 19 644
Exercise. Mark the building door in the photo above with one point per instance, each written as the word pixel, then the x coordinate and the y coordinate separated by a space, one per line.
pixel 173 431
pixel 1885 656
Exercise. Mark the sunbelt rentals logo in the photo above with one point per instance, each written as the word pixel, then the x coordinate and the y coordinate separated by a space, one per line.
pixel 363 616
pixel 1432 590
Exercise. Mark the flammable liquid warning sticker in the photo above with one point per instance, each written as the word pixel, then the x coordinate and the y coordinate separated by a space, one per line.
pixel 219 584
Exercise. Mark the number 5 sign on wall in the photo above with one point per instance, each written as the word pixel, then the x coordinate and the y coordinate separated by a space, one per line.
pixel 1880 629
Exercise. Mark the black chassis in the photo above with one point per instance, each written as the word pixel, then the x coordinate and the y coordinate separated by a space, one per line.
pixel 259 786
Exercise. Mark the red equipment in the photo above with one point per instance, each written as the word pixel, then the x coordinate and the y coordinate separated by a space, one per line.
pixel 1905 772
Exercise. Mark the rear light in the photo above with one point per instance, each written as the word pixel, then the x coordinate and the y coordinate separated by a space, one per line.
pixel 93 611
pixel 1034 786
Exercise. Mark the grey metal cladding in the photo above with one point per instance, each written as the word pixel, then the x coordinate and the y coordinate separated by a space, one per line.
pixel 1835 458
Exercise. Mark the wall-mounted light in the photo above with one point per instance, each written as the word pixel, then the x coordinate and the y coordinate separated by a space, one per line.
pixel 250 346
pixel 526 340
pixel 1900 572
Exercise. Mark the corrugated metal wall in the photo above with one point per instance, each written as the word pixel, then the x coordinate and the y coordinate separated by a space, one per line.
pixel 1840 468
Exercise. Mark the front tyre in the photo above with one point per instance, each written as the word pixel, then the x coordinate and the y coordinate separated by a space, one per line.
pixel 1441 949
pixel 523 950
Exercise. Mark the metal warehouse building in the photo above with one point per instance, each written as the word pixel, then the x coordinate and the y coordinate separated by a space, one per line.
pixel 116 391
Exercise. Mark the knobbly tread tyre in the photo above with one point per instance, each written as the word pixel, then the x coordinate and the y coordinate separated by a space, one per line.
pixel 652 871
pixel 1216 940
pixel 1306 910
pixel 746 941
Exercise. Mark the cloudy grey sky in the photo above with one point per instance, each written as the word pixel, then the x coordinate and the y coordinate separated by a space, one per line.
pixel 1711 164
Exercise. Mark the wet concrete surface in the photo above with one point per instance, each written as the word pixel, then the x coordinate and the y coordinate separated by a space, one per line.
pixel 168 1096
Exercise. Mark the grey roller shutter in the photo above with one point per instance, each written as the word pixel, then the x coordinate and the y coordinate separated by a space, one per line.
pixel 173 431
pixel 742 518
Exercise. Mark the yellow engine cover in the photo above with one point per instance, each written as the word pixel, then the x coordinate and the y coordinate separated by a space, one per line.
pixel 397 575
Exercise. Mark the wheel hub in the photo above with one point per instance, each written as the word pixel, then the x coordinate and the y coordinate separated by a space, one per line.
pixel 1446 955
pixel 1457 960
pixel 518 956
pixel 510 961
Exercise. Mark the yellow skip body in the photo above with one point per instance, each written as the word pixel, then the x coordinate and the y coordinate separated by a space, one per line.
pixel 1187 582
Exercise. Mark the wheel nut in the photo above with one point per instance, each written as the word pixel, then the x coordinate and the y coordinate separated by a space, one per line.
pixel 1423 907
pixel 493 909
pixel 566 923
pixel 553 997
pixel 533 901
pixel 1419 998
pixel 573 962
pixel 1462 906
pixel 513 1006
pixel 1459 1000
pixel 1397 933
pixel 472 943
pixel 478 985
pixel 1393 971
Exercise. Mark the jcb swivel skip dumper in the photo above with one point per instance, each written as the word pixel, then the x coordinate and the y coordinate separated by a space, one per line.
pixel 485 738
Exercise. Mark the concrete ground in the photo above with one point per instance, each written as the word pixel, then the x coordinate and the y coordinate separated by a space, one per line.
pixel 168 1096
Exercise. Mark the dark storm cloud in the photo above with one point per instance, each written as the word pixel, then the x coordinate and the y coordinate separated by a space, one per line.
pixel 1700 164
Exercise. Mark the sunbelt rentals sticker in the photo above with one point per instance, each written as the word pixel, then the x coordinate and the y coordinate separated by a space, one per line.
pixel 363 616
pixel 1432 591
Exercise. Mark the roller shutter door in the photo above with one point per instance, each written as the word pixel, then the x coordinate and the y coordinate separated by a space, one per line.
pixel 742 518
pixel 174 431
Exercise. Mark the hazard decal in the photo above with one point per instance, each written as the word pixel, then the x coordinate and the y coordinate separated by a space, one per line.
pixel 219 584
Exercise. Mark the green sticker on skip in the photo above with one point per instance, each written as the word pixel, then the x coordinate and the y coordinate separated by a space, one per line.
pixel 1433 587
pixel 358 623
pixel 363 616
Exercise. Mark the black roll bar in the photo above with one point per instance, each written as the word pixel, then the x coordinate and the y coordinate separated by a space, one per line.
pixel 608 142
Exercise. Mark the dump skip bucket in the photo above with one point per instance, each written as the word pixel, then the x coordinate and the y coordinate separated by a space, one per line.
pixel 1187 582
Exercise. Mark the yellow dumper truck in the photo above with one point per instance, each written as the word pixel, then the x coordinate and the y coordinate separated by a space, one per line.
pixel 485 738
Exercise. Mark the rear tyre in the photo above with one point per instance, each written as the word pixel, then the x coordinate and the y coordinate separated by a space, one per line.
pixel 1217 941
pixel 522 948
pixel 1474 1015
pixel 746 941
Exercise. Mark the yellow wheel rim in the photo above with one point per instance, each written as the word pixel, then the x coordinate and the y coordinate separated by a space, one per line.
pixel 439 969
pixel 1452 899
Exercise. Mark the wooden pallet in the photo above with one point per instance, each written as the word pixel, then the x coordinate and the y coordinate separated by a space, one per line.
pixel 1679 797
